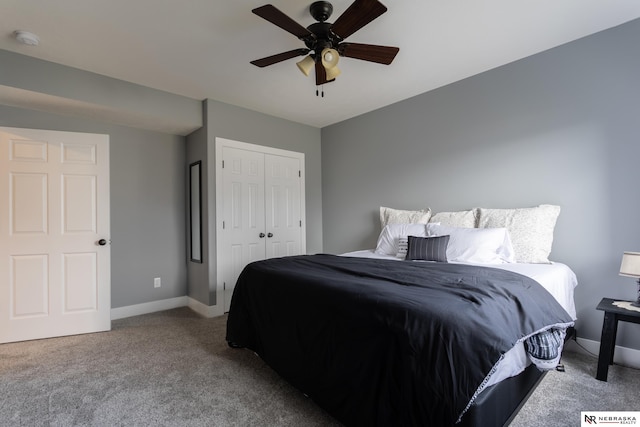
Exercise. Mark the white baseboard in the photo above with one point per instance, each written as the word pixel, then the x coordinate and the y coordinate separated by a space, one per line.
pixel 622 355
pixel 148 307
pixel 205 310
pixel 166 304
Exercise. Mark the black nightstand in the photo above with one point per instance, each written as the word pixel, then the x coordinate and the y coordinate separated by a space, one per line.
pixel 612 314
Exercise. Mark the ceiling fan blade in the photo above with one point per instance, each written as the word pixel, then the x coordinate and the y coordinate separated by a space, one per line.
pixel 276 17
pixel 274 59
pixel 359 14
pixel 321 75
pixel 369 52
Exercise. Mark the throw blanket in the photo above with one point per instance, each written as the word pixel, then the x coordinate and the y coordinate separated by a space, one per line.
pixel 544 349
pixel 377 342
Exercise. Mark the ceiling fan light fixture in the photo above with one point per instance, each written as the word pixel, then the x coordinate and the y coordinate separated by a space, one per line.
pixel 328 55
pixel 332 73
pixel 330 58
pixel 306 65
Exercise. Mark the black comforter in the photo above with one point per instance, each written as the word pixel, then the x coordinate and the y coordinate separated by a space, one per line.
pixel 377 342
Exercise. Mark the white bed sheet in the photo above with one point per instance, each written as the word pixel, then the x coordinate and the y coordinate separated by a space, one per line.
pixel 557 278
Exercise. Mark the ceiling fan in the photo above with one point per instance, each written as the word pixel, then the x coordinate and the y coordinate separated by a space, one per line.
pixel 325 41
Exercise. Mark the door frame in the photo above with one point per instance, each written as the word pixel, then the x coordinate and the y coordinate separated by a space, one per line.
pixel 215 273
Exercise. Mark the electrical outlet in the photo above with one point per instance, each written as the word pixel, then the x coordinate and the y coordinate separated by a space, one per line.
pixel 156 282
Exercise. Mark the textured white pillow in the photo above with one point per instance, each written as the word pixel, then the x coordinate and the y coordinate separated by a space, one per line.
pixel 388 241
pixel 399 216
pixel 403 247
pixel 466 219
pixel 531 229
pixel 477 245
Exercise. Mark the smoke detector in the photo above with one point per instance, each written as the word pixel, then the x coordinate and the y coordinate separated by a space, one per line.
pixel 25 37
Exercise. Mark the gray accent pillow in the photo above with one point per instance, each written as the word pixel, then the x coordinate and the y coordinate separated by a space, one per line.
pixel 427 248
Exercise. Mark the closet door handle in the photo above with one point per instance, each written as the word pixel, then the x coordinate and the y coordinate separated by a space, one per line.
pixel 270 235
pixel 261 235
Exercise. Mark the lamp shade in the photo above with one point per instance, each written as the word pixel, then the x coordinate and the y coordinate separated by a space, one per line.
pixel 630 266
pixel 306 65
pixel 332 73
pixel 330 58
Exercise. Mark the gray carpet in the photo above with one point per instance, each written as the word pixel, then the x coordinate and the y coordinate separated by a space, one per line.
pixel 561 396
pixel 174 368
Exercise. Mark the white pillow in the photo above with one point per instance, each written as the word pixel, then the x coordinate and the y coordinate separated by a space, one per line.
pixel 476 245
pixel 399 216
pixel 388 241
pixel 531 229
pixel 466 219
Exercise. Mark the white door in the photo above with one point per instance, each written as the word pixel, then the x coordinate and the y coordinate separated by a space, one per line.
pixel 243 212
pixel 54 269
pixel 282 199
pixel 260 207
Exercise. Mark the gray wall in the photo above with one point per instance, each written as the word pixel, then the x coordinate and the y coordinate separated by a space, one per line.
pixel 239 124
pixel 198 272
pixel 147 182
pixel 149 168
pixel 560 127
pixel 35 84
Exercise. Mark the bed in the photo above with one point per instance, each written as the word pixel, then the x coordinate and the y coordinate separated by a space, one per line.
pixel 375 340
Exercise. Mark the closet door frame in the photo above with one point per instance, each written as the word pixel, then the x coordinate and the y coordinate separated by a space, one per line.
pixel 220 144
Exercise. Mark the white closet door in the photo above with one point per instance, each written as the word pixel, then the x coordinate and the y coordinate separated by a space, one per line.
pixel 54 273
pixel 282 199
pixel 243 234
pixel 260 208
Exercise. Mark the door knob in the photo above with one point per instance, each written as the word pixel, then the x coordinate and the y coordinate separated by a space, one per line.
pixel 102 242
pixel 261 235
pixel 270 235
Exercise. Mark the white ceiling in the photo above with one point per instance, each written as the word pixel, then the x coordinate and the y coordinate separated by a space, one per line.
pixel 202 48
